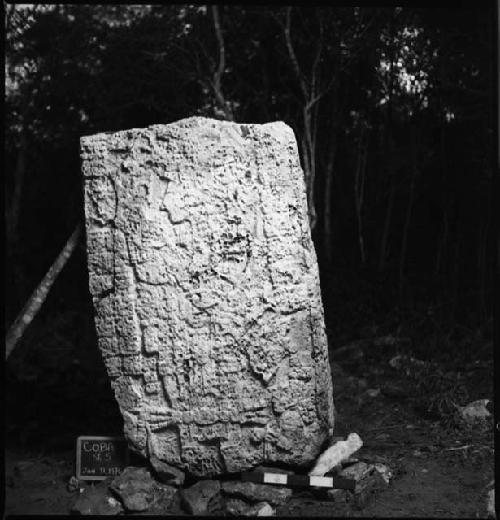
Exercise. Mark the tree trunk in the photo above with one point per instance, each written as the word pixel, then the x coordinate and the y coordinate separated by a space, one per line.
pixel 15 199
pixel 311 167
pixel 219 72
pixel 13 210
pixel 409 209
pixel 388 218
pixel 309 86
pixel 327 211
pixel 389 149
pixel 359 190
pixel 443 243
pixel 329 175
pixel 483 264
pixel 456 270
pixel 36 300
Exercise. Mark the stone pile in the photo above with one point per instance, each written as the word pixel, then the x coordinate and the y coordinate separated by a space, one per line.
pixel 138 491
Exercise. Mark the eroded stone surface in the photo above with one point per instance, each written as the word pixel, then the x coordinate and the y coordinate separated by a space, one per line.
pixel 97 500
pixel 237 507
pixel 369 478
pixel 206 293
pixel 202 498
pixel 136 488
pixel 167 473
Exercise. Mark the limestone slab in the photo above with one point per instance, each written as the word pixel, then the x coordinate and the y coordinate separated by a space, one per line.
pixel 206 293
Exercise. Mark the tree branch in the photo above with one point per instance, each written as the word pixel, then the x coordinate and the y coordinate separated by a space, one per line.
pixel 317 58
pixel 293 56
pixel 218 73
pixel 220 41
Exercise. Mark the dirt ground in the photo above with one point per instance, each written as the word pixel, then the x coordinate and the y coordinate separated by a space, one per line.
pixel 439 470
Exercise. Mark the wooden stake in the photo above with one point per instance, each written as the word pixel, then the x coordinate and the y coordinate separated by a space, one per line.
pixel 32 306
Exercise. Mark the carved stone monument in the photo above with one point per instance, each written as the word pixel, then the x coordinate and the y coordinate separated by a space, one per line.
pixel 206 293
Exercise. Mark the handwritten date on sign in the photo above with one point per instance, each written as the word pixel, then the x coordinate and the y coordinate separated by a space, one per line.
pixel 98 458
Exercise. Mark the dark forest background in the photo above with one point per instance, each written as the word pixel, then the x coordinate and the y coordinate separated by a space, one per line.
pixel 393 110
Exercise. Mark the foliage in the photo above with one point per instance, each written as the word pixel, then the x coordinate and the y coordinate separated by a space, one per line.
pixel 390 107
